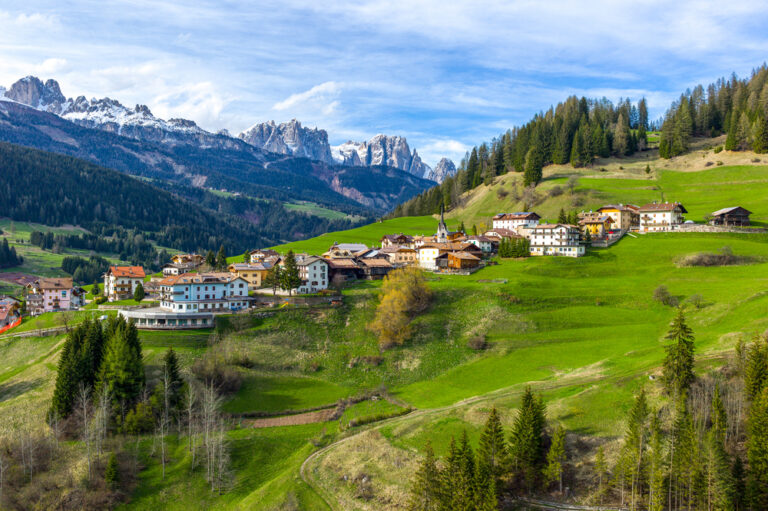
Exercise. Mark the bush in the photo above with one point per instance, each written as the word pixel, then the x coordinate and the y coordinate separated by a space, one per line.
pixel 697 301
pixel 555 191
pixel 718 149
pixel 404 295
pixel 724 258
pixel 501 193
pixel 661 295
pixel 212 369
pixel 755 160
pixel 708 164
pixel 139 420
pixel 719 163
pixel 477 343
pixel 112 472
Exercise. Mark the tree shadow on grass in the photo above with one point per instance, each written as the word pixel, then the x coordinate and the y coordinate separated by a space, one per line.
pixel 11 390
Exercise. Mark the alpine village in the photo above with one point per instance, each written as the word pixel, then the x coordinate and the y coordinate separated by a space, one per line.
pixel 574 316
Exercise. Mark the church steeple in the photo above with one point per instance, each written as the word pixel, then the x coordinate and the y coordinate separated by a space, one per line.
pixel 442 230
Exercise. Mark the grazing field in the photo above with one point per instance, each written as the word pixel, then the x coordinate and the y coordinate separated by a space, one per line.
pixel 315 209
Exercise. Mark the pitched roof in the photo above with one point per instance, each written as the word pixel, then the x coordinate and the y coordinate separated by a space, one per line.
pixel 502 233
pixel 663 206
pixel 520 215
pixel 392 249
pixel 480 238
pixel 554 226
pixel 307 260
pixel 464 255
pixel 341 264
pixel 249 266
pixel 732 209
pixel 620 207
pixel 376 263
pixel 264 251
pixel 595 219
pixel 199 278
pixel 393 237
pixel 133 272
pixel 54 283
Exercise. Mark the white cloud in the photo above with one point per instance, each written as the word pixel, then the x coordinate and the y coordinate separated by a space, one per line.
pixel 432 151
pixel 319 93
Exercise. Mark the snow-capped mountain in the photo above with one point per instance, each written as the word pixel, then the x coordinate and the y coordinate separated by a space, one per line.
pixel 110 115
pixel 290 138
pixel 443 169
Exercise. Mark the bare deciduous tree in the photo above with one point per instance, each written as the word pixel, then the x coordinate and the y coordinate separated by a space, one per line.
pixel 83 406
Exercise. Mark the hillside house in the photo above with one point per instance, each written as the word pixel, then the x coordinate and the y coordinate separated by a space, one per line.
pixel 400 255
pixel 556 239
pixel 10 311
pixel 187 262
pixel 393 240
pixel 624 216
pixel 734 216
pixel 120 282
pixel 343 270
pixel 661 216
pixel 50 295
pixel 314 273
pixel 596 224
pixel 457 261
pixel 263 254
pixel 375 269
pixel 204 292
pixel 515 221
pixel 429 252
pixel 343 250
pixel 253 273
pixel 484 243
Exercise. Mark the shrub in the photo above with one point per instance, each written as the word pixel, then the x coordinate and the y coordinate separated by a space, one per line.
pixel 755 160
pixel 501 193
pixel 661 295
pixel 719 163
pixel 555 191
pixel 139 420
pixel 112 472
pixel 696 300
pixel 477 343
pixel 708 164
pixel 213 369
pixel 404 295
pixel 724 258
pixel 718 149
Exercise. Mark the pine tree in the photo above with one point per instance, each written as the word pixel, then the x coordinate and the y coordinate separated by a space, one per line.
pixel 756 368
pixel 656 467
pixel 449 482
pixel 272 279
pixel 138 293
pixel 553 472
pixel 527 438
pixel 739 485
pixel 757 451
pixel 122 372
pixel 289 275
pixel 67 376
pixel 601 469
pixel 176 383
pixel 636 444
pixel 760 134
pixel 221 258
pixel 678 364
pixel 561 217
pixel 112 472
pixel 95 289
pixel 425 488
pixel 534 163
pixel 464 494
pixel 93 352
pixel 492 455
pixel 210 259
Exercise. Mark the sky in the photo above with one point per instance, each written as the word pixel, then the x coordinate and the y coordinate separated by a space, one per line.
pixel 447 75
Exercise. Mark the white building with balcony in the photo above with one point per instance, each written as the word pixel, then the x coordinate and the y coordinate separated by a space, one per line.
pixel 556 239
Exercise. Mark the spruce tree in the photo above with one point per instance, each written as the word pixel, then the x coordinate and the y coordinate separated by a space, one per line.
pixel 176 383
pixel 757 451
pixel 67 377
pixel 553 471
pixel 534 163
pixel 122 372
pixel 289 275
pixel 492 455
pixel 561 217
pixel 425 488
pixel 464 495
pixel 526 438
pixel 210 259
pixel 112 472
pixel 756 368
pixel 678 364
pixel 221 258
pixel 656 467
pixel 636 444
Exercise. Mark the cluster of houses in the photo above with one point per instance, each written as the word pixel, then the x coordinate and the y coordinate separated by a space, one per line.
pixel 188 295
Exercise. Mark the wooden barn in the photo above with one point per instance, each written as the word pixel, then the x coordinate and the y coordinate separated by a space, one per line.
pixel 734 216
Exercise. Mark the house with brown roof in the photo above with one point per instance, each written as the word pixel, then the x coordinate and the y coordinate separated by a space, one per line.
pixel 253 273
pixel 343 250
pixel 50 295
pixel 10 312
pixel 661 216
pixel 390 240
pixel 120 282
pixel 596 224
pixel 429 252
pixel 192 261
pixel 375 269
pixel 623 216
pixel 263 254
pixel 399 255
pixel 343 270
pixel 514 221
pixel 733 216
pixel 457 261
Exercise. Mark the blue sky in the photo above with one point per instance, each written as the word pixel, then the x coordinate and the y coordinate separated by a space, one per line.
pixel 447 75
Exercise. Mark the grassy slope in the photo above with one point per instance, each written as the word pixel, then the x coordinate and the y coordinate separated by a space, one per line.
pixel 586 330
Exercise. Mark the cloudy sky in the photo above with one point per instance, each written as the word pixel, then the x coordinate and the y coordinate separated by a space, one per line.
pixel 445 74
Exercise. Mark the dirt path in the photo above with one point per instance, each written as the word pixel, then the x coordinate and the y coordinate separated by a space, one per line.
pixel 293 420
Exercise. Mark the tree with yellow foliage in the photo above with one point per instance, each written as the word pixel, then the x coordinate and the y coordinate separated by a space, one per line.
pixel 404 294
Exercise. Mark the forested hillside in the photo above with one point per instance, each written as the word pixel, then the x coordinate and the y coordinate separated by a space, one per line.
pixel 51 189
pixel 580 130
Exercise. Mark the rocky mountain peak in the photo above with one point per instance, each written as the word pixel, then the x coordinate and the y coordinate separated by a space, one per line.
pixel 443 169
pixel 31 91
pixel 290 138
